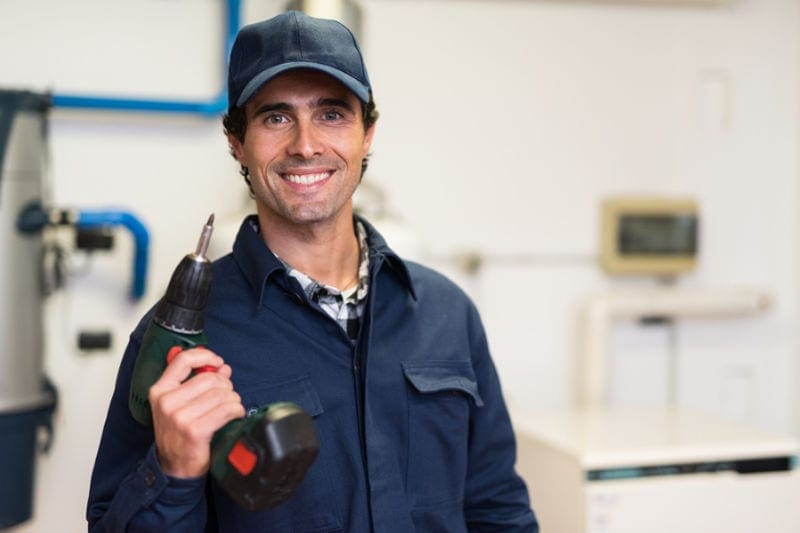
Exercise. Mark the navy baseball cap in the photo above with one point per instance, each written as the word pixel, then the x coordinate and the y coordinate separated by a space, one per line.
pixel 289 41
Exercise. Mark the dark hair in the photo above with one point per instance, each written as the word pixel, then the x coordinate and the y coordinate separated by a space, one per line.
pixel 235 123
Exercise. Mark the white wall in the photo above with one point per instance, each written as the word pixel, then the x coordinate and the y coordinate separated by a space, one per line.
pixel 549 106
pixel 502 125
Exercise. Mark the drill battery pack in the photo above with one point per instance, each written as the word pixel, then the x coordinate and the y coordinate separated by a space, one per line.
pixel 260 460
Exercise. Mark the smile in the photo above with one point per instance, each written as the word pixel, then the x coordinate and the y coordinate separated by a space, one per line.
pixel 306 179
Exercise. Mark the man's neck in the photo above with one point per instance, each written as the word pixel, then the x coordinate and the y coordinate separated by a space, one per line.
pixel 327 251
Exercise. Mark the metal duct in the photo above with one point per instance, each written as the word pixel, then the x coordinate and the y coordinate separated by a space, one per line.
pixel 348 12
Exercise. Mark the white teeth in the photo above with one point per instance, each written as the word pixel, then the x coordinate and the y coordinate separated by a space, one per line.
pixel 306 179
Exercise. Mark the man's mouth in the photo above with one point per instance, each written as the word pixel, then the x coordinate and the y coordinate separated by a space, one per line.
pixel 307 179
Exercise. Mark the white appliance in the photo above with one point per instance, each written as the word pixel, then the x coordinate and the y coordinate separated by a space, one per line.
pixel 656 470
pixel 602 469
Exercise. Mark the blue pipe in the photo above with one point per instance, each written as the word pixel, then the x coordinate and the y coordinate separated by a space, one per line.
pixel 141 239
pixel 209 108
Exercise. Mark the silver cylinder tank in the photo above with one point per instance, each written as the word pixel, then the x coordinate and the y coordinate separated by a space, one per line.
pixel 23 124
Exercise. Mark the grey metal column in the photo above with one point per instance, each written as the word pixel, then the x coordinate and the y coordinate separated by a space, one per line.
pixel 23 154
pixel 26 400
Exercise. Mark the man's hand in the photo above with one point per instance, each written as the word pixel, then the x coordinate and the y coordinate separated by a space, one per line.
pixel 187 412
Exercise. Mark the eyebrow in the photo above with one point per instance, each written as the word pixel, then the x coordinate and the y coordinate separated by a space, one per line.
pixel 266 108
pixel 335 102
pixel 322 102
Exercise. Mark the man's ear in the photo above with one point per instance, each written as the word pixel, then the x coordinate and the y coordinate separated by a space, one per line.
pixel 236 147
pixel 368 139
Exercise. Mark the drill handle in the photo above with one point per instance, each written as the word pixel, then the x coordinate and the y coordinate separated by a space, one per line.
pixel 150 364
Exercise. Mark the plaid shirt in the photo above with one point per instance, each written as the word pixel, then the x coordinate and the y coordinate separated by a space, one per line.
pixel 346 307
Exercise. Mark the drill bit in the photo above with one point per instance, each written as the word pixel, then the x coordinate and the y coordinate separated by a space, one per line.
pixel 205 237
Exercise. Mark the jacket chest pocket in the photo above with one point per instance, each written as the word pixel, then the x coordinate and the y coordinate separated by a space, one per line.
pixel 310 508
pixel 441 396
pixel 298 390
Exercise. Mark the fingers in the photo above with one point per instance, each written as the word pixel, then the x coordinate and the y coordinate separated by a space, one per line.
pixel 200 420
pixel 181 367
pixel 225 370
pixel 173 390
pixel 197 397
pixel 187 412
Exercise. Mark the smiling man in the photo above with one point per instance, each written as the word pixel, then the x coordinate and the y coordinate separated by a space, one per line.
pixel 302 149
pixel 312 307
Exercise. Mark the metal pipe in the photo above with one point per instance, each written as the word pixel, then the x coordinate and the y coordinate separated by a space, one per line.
pixel 33 218
pixel 602 310
pixel 141 240
pixel 208 108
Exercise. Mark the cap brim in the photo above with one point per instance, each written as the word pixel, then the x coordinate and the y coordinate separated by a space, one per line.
pixel 358 88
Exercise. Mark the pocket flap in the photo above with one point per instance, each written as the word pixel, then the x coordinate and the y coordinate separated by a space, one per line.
pixel 436 376
pixel 297 390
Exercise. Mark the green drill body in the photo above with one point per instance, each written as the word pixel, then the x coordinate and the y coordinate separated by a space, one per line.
pixel 150 364
pixel 259 460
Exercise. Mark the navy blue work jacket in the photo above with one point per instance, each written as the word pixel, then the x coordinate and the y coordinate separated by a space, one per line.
pixel 414 434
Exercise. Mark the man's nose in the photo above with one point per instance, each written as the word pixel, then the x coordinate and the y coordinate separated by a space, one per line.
pixel 305 142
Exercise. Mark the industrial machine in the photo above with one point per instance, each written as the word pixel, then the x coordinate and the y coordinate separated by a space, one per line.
pixel 596 468
pixel 27 401
pixel 259 460
pixel 31 267
pixel 602 469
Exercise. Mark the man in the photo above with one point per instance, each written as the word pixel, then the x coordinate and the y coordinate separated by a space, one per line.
pixel 312 307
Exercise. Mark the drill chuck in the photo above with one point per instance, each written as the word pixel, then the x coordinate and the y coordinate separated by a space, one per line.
pixel 183 306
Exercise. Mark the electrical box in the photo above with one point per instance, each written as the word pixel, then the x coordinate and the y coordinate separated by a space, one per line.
pixel 649 236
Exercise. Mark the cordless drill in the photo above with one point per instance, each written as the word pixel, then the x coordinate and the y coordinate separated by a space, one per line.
pixel 259 460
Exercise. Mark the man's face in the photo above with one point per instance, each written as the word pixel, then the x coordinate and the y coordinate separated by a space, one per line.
pixel 303 147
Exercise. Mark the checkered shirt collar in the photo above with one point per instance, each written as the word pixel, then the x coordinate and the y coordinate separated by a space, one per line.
pixel 346 307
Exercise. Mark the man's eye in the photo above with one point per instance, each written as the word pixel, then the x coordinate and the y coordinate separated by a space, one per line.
pixel 275 119
pixel 331 115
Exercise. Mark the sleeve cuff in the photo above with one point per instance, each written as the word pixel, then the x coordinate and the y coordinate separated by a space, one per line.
pixel 168 489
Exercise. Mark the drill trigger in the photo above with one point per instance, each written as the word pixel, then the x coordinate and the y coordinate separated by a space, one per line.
pixel 175 350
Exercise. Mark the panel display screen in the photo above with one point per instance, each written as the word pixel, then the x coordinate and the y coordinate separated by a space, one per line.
pixel 653 234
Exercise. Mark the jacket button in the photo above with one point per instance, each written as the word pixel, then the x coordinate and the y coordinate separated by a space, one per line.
pixel 149 478
pixel 296 298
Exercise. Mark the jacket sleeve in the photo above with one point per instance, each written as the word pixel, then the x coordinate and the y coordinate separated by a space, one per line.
pixel 496 498
pixel 129 491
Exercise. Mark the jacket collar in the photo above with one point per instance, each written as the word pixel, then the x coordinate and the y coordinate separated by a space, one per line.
pixel 379 253
pixel 255 259
pixel 258 263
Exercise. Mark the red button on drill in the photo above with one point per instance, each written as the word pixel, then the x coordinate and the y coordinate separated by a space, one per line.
pixel 242 458
pixel 175 350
